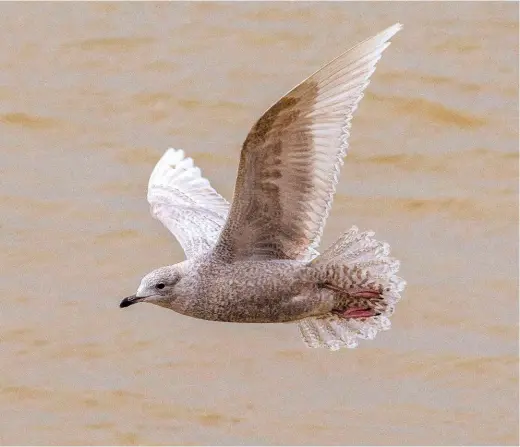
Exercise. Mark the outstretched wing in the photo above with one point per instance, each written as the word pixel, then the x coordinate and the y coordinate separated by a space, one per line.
pixel 185 203
pixel 290 160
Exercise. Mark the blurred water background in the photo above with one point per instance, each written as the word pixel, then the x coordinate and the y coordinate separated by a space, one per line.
pixel 91 94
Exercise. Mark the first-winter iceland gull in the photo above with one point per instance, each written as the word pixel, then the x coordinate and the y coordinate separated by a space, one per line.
pixel 256 260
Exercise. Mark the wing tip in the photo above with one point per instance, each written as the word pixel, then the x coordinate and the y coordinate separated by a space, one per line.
pixel 173 155
pixel 168 161
pixel 385 35
pixel 396 27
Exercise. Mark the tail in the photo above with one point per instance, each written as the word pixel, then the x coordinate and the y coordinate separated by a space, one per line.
pixel 358 269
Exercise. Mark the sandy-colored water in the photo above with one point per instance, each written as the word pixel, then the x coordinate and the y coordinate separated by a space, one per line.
pixel 90 97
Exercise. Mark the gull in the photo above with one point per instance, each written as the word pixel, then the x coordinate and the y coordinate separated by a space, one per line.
pixel 256 260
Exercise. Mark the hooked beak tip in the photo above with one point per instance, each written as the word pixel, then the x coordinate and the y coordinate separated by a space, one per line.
pixel 128 301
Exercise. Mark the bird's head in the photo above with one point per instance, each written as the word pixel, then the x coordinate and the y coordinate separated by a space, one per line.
pixel 157 287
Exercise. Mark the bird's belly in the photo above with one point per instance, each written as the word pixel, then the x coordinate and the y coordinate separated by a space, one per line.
pixel 249 293
pixel 248 310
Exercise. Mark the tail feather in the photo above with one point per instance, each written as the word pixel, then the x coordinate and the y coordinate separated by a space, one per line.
pixel 355 262
pixel 354 247
pixel 333 332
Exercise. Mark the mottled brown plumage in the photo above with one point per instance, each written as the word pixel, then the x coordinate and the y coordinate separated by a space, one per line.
pixel 257 261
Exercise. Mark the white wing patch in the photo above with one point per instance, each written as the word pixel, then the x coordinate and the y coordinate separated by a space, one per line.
pixel 185 203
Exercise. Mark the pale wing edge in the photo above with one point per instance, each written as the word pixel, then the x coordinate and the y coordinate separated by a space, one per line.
pixel 344 79
pixel 185 203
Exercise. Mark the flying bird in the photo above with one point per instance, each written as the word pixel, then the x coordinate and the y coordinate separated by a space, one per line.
pixel 256 260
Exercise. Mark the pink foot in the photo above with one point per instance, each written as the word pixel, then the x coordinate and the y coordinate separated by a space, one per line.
pixel 357 313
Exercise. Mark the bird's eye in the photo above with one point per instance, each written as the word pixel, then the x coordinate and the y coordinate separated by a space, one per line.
pixel 159 286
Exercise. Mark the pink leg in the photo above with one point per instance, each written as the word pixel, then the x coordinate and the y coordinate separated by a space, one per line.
pixel 357 312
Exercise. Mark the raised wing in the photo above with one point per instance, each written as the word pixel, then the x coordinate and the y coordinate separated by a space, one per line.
pixel 185 203
pixel 290 160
